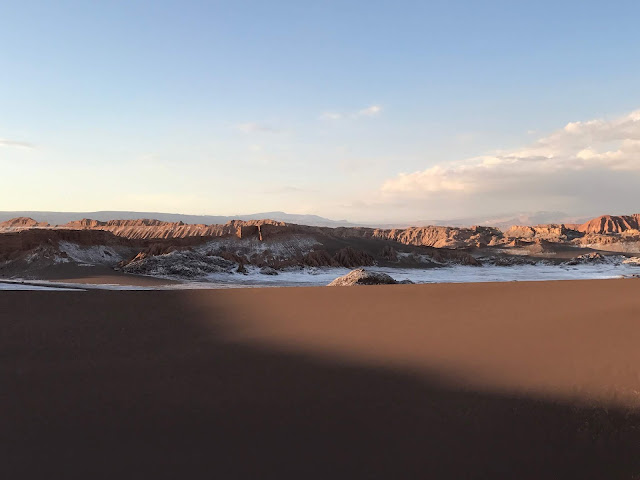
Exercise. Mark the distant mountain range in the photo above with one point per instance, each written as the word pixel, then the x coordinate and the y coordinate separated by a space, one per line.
pixel 499 221
pixel 59 218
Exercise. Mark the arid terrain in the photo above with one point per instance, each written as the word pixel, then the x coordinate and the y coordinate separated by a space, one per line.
pixel 497 381
pixel 483 380
pixel 174 250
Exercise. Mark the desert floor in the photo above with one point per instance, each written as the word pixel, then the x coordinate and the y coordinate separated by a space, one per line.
pixel 498 380
pixel 90 274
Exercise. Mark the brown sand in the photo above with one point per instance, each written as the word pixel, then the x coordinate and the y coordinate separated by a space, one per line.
pixel 91 274
pixel 517 380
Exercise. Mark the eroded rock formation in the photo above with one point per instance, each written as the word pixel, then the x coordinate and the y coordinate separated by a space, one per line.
pixel 20 223
pixel 276 245
pixel 608 224
pixel 363 277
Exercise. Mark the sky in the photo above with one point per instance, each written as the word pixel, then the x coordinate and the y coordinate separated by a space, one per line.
pixel 358 110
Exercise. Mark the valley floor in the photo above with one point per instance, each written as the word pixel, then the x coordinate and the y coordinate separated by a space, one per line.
pixel 96 276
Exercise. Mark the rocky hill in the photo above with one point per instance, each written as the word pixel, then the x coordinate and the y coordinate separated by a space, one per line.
pixel 133 245
pixel 20 223
pixel 432 236
pixel 610 224
pixel 156 229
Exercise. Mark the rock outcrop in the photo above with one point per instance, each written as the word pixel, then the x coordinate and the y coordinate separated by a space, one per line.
pixel 182 264
pixel 438 237
pixel 610 224
pixel 268 271
pixel 156 229
pixel 21 223
pixel 547 232
pixel 587 258
pixel 15 243
pixel 350 257
pixel 364 277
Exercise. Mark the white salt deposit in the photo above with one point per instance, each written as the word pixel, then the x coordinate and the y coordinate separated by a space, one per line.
pixel 322 276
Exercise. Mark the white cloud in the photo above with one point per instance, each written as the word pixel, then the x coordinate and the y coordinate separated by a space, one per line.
pixel 589 166
pixel 331 116
pixel 12 143
pixel 252 127
pixel 370 111
pixel 578 148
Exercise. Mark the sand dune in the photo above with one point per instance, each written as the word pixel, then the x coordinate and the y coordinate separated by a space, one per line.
pixel 518 380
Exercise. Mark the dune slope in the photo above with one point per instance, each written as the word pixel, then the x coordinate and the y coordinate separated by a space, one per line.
pixel 411 381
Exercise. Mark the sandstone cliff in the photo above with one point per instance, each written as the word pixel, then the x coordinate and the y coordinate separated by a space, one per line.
pixel 278 245
pixel 156 229
pixel 608 224
pixel 20 223
pixel 548 232
pixel 430 236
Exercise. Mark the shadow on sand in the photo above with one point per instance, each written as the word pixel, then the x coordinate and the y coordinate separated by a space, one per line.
pixel 130 385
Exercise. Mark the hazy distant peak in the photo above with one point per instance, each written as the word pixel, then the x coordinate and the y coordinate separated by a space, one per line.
pixel 61 218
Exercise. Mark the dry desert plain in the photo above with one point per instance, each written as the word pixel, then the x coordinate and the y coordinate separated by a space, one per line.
pixel 519 380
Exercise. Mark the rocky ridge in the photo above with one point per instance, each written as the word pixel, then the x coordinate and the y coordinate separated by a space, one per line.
pixel 20 223
pixel 610 224
pixel 145 229
pixel 148 245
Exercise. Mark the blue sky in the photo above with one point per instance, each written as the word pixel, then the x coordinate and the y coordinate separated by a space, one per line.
pixel 351 109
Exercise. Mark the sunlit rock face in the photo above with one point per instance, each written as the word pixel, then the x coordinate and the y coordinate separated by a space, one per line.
pixel 361 276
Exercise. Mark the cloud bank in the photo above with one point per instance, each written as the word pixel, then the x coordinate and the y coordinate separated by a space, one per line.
pixel 583 160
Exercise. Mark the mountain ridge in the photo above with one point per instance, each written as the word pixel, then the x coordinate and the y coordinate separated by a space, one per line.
pixel 156 247
pixel 502 221
pixel 603 225
pixel 60 218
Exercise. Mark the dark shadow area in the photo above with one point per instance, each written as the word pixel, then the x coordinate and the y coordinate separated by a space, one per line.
pixel 132 385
